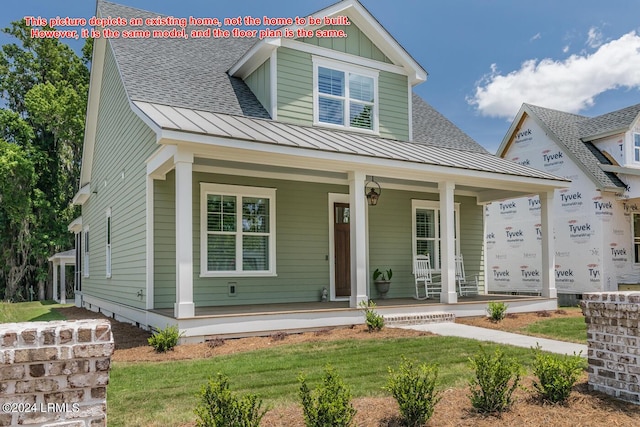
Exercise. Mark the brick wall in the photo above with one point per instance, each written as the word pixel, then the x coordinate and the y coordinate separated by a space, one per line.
pixel 55 374
pixel 614 343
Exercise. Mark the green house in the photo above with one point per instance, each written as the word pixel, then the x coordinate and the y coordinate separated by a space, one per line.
pixel 227 183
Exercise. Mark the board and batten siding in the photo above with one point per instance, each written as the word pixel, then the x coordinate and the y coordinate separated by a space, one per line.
pixel 260 84
pixel 356 43
pixel 302 245
pixel 390 238
pixel 394 106
pixel 118 181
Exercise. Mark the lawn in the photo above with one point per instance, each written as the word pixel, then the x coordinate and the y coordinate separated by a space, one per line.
pixel 572 329
pixel 145 394
pixel 30 311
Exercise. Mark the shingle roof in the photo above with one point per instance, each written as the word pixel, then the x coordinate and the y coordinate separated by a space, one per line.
pixel 568 128
pixel 610 122
pixel 193 74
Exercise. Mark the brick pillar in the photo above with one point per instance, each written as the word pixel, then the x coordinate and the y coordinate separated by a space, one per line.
pixel 613 340
pixel 55 373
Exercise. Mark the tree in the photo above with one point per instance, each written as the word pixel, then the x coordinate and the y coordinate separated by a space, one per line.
pixel 45 85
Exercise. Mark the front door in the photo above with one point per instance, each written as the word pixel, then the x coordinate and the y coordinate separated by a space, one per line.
pixel 342 249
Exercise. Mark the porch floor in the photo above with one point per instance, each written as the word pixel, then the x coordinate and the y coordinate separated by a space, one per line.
pixel 323 307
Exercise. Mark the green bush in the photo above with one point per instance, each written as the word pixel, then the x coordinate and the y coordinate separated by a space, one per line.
pixel 497 310
pixel 373 320
pixel 414 388
pixel 496 378
pixel 220 407
pixel 330 403
pixel 556 374
pixel 165 339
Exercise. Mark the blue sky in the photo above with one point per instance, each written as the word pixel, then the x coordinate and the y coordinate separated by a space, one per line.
pixel 484 57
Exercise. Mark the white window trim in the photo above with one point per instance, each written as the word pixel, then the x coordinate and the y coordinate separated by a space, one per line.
pixel 86 253
pixel 238 191
pixel 347 68
pixel 108 241
pixel 435 205
pixel 636 149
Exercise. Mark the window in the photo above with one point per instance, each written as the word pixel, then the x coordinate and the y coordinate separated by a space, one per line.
pixel 345 96
pixel 85 270
pixel 426 230
pixel 108 244
pixel 636 238
pixel 237 230
pixel 636 146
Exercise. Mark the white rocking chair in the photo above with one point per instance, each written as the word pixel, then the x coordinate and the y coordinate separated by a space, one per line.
pixel 465 287
pixel 422 271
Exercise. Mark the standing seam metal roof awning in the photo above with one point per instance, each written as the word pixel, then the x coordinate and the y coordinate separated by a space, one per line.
pixel 316 138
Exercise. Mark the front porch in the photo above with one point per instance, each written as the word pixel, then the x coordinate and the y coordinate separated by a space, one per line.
pixel 260 320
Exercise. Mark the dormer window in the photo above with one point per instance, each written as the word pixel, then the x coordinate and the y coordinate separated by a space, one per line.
pixel 345 96
pixel 636 146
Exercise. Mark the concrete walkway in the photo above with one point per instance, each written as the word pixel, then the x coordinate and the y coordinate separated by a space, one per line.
pixel 485 334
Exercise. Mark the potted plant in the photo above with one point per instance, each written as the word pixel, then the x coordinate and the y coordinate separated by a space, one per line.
pixel 382 281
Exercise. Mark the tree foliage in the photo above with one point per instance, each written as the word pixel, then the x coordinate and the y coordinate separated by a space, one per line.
pixel 44 85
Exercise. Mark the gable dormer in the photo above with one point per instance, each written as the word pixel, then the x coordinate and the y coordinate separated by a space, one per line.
pixel 359 82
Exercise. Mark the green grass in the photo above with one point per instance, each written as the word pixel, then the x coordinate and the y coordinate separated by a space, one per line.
pixel 30 311
pixel 573 329
pixel 160 394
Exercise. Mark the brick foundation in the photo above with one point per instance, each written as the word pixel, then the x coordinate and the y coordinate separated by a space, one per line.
pixel 55 373
pixel 614 343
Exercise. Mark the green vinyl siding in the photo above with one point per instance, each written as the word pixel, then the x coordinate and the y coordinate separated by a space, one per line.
pixel 118 181
pixel 390 238
pixel 260 84
pixel 295 87
pixel 393 108
pixel 356 43
pixel 302 245
pixel 295 95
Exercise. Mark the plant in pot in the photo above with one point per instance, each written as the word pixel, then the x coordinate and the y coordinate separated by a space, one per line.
pixel 382 280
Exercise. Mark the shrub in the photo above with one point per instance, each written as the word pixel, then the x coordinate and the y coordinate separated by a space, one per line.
pixel 497 310
pixel 556 374
pixel 373 320
pixel 413 387
pixel 330 403
pixel 496 378
pixel 220 407
pixel 165 339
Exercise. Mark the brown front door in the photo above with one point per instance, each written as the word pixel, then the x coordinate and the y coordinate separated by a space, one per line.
pixel 341 235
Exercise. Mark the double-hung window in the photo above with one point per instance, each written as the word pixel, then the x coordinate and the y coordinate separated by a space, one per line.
pixel 237 230
pixel 345 96
pixel 636 147
pixel 85 270
pixel 426 230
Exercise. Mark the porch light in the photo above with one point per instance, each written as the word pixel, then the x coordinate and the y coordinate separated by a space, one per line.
pixel 372 194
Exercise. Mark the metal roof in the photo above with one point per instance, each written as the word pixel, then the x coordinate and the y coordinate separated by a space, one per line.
pixel 317 138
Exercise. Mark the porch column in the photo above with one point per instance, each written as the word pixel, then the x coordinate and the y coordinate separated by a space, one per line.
pixel 184 306
pixel 447 243
pixel 55 280
pixel 548 246
pixel 357 207
pixel 63 282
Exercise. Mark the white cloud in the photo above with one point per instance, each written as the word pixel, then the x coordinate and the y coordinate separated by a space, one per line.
pixel 536 37
pixel 594 38
pixel 565 49
pixel 568 85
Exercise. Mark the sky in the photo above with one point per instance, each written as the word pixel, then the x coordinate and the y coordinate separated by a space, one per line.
pixel 484 57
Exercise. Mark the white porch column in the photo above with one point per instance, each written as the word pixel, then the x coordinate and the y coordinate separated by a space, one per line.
pixel 184 306
pixel 55 280
pixel 447 243
pixel 63 282
pixel 358 212
pixel 548 246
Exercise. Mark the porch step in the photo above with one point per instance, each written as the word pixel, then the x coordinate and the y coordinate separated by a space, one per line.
pixel 418 318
